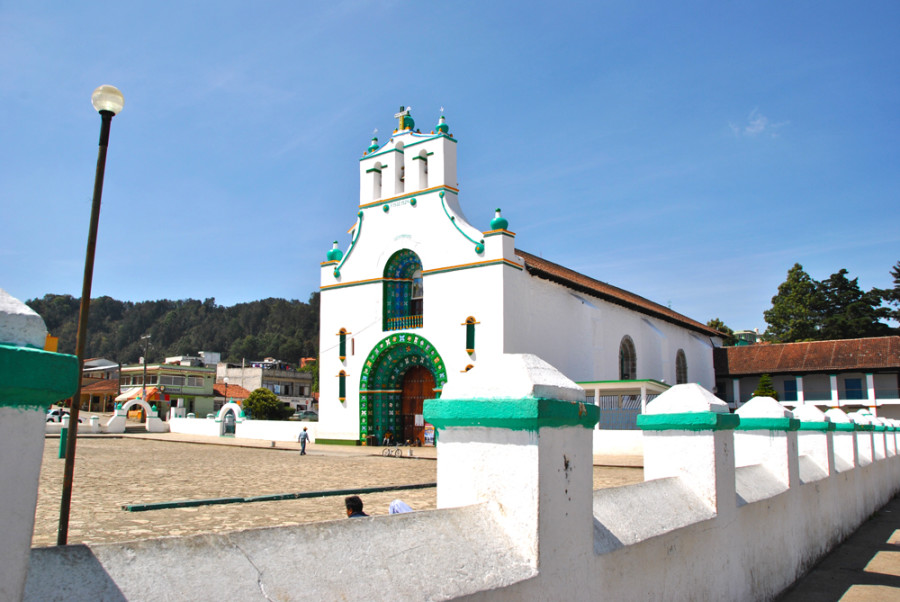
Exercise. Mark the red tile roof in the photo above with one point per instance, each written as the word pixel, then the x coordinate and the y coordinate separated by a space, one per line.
pixel 542 268
pixel 234 391
pixel 877 353
pixel 100 386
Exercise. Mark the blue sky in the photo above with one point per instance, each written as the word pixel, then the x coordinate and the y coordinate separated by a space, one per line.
pixel 689 152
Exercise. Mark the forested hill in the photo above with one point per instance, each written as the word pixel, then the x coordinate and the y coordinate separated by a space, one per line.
pixel 286 330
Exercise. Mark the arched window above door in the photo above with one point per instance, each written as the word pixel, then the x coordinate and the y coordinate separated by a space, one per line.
pixel 404 291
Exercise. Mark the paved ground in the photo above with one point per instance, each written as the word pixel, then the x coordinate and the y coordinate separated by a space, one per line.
pixel 865 568
pixel 112 471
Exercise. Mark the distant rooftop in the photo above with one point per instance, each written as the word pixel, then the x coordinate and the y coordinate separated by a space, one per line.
pixel 875 353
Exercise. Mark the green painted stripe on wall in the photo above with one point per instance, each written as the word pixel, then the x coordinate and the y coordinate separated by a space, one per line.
pixel 530 414
pixel 816 425
pixel 34 378
pixel 690 421
pixel 769 424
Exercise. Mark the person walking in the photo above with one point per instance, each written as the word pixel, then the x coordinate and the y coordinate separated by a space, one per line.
pixel 303 438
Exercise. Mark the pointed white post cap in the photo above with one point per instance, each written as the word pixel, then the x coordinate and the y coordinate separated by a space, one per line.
pixel 687 398
pixel 19 324
pixel 763 407
pixel 513 376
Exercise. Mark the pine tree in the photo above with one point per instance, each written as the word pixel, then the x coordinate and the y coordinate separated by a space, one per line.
pixel 795 311
pixel 891 296
pixel 765 388
pixel 847 312
pixel 727 333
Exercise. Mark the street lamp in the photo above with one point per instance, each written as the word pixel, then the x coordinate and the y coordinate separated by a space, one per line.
pixel 108 101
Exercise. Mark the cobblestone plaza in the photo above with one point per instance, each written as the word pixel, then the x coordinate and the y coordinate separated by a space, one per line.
pixel 111 472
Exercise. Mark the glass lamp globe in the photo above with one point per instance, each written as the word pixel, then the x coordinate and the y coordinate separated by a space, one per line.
pixel 108 98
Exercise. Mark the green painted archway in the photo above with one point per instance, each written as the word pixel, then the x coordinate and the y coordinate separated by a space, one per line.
pixel 381 382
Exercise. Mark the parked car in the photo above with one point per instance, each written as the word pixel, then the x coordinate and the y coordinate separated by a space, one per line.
pixel 308 415
pixel 56 415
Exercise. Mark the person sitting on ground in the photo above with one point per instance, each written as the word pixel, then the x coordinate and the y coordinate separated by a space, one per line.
pixel 399 507
pixel 388 438
pixel 354 506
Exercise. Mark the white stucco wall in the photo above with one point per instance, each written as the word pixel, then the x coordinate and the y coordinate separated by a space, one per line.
pixel 519 522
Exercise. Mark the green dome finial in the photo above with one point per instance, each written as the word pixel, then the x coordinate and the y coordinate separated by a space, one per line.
pixel 499 222
pixel 442 126
pixel 374 146
pixel 334 254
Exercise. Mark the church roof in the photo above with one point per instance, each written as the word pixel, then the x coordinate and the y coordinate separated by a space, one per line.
pixel 810 356
pixel 542 268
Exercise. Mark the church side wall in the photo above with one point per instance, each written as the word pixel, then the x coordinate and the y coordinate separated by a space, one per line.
pixel 580 334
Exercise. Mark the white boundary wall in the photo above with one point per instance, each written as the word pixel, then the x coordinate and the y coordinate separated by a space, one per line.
pixel 263 430
pixel 698 529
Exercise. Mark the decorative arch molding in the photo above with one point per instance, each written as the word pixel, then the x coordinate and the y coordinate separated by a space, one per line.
pixel 138 402
pixel 381 381
pixel 403 291
pixel 231 407
pixel 235 409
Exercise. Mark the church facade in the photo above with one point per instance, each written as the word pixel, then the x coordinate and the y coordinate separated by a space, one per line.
pixel 421 295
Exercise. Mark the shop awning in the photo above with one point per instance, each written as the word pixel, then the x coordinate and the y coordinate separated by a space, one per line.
pixel 135 392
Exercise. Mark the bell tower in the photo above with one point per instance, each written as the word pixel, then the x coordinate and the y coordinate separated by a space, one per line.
pixel 409 162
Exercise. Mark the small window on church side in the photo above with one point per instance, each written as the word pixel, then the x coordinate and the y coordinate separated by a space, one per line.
pixel 681 375
pixel 627 359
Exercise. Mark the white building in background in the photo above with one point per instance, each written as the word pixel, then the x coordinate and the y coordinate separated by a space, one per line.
pixel 292 386
pixel 421 295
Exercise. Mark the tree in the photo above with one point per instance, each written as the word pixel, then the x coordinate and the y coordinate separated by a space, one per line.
pixel 765 388
pixel 727 333
pixel 313 368
pixel 891 296
pixel 795 311
pixel 846 312
pixel 265 405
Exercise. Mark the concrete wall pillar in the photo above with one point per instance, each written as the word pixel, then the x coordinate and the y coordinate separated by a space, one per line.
pixel 689 433
pixel 517 433
pixel 865 444
pixel 30 380
pixel 845 451
pixel 870 389
pixel 835 399
pixel 816 436
pixel 767 435
pixel 801 398
pixel 736 387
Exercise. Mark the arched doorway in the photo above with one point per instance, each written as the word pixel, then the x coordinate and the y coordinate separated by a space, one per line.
pixel 401 371
pixel 418 385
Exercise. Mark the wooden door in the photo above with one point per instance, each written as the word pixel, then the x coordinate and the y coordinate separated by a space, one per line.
pixel 418 385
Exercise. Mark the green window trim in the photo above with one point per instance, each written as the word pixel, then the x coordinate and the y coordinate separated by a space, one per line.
pixel 343 344
pixel 470 334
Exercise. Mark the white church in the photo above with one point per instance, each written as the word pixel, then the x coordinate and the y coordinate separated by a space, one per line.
pixel 421 295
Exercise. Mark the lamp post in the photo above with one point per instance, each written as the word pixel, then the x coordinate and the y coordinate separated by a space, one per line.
pixel 226 391
pixel 146 339
pixel 108 101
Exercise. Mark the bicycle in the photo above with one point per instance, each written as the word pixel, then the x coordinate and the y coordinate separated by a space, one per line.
pixel 395 451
